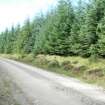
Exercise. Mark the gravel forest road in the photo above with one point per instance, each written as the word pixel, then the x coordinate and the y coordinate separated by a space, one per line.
pixel 34 86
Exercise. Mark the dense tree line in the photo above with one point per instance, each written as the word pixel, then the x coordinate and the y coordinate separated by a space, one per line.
pixel 65 30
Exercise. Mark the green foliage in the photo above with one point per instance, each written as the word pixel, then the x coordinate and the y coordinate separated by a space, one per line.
pixel 41 60
pixel 53 64
pixel 25 37
pixel 66 65
pixel 64 30
pixel 101 41
pixel 30 58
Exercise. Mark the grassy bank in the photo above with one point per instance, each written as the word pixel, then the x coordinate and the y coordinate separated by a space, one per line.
pixel 90 70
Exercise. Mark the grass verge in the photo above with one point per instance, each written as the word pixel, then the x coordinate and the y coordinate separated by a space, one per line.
pixel 86 69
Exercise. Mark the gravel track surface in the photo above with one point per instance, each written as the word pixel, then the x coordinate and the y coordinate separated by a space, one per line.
pixel 21 84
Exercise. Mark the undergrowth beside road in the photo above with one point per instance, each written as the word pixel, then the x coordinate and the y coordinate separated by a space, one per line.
pixel 87 69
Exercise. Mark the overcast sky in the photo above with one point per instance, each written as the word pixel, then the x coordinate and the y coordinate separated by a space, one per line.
pixel 13 12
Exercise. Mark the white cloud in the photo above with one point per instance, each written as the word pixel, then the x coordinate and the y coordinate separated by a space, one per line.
pixel 14 12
